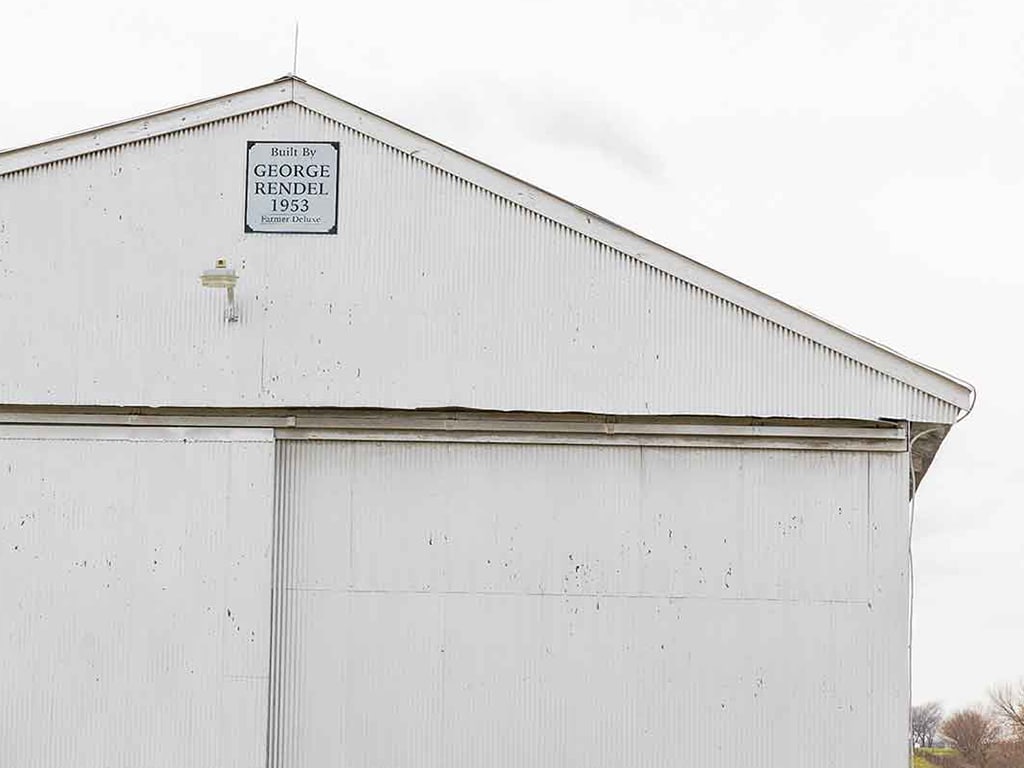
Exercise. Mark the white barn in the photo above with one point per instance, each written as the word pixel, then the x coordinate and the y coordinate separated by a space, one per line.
pixel 461 475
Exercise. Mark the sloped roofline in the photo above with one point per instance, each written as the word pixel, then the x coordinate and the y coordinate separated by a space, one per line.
pixel 291 89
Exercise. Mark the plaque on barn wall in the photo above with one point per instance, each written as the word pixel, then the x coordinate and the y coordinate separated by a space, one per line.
pixel 291 187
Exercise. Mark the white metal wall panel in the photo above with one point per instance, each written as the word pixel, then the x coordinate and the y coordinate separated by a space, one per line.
pixel 435 292
pixel 134 586
pixel 889 550
pixel 464 605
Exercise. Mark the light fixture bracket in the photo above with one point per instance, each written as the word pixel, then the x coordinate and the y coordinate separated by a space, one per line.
pixel 222 276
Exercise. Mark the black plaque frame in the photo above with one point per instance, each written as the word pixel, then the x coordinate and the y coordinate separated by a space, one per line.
pixel 337 190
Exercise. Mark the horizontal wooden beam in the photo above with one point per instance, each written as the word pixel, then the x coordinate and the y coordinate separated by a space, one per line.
pixel 462 427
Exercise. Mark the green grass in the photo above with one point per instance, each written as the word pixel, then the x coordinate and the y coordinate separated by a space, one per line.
pixel 920 761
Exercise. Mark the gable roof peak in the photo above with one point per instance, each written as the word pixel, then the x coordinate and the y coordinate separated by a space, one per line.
pixel 290 88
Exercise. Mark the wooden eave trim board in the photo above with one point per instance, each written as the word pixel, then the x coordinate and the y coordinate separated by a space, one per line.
pixel 707 440
pixel 402 427
pixel 286 90
pixel 150 434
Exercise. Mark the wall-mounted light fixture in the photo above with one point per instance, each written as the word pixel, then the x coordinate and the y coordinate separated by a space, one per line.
pixel 223 277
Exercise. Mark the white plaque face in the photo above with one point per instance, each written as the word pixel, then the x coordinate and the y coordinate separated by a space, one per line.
pixel 291 187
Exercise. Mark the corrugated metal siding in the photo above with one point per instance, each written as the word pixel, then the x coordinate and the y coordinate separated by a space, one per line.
pixel 465 605
pixel 135 579
pixel 434 293
pixel 889 553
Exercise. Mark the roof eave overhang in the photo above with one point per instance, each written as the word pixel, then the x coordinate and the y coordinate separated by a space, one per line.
pixel 924 440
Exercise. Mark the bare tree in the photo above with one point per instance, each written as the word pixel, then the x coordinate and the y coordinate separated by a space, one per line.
pixel 924 723
pixel 1008 705
pixel 973 733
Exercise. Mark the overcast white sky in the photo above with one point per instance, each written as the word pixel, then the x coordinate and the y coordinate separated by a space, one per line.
pixel 861 160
